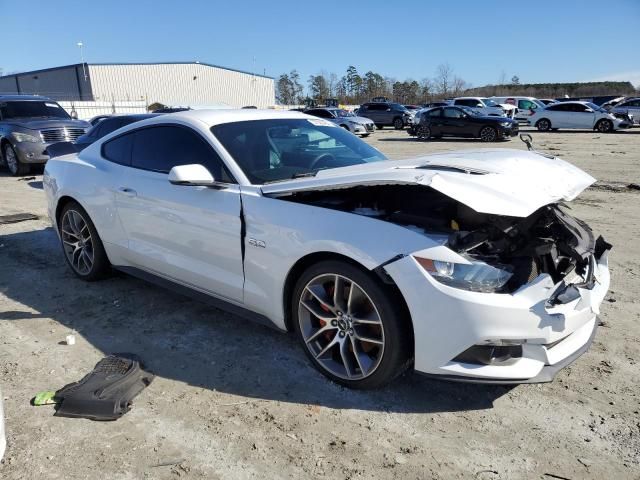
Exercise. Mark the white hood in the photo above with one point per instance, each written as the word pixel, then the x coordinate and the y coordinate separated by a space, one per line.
pixel 496 181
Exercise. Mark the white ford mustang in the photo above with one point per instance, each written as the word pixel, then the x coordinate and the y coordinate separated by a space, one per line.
pixel 464 265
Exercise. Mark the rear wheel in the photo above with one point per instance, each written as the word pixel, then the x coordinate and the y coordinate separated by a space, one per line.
pixel 15 166
pixel 543 125
pixel 604 126
pixel 398 124
pixel 81 244
pixel 350 326
pixel 488 134
pixel 379 126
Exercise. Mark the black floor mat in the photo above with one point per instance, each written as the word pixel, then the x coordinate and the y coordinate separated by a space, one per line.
pixel 105 393
pixel 17 217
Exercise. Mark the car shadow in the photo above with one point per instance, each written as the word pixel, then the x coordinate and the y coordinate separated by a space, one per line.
pixel 36 184
pixel 181 339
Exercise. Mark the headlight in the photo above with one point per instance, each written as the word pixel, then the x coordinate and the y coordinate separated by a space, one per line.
pixel 506 124
pixel 25 137
pixel 476 277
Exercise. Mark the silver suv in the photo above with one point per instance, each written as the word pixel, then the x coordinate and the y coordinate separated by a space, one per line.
pixel 28 125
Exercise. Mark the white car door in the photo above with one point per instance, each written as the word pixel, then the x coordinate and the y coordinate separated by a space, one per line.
pixel 582 116
pixel 559 115
pixel 189 234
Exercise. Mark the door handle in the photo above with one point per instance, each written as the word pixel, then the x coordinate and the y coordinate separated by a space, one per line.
pixel 129 192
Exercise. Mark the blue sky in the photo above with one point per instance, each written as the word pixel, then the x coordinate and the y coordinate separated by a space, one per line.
pixel 540 41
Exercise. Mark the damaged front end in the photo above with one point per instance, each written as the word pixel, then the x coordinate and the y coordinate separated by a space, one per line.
pixel 502 253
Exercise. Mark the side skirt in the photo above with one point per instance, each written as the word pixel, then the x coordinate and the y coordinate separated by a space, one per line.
pixel 197 295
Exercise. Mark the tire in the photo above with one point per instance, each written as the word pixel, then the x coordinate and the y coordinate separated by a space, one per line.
pixel 398 124
pixel 13 163
pixel 604 126
pixel 365 135
pixel 84 253
pixel 543 125
pixel 424 133
pixel 379 126
pixel 330 336
pixel 489 134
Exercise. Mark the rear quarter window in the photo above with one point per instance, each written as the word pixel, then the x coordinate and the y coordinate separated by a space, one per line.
pixel 118 150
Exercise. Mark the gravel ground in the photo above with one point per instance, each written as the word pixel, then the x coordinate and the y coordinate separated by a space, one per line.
pixel 234 399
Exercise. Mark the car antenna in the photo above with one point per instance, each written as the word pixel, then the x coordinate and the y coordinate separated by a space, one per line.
pixel 528 141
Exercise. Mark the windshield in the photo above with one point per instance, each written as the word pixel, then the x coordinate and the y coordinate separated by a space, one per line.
pixel 489 103
pixel 343 113
pixel 280 149
pixel 596 108
pixel 26 108
pixel 471 111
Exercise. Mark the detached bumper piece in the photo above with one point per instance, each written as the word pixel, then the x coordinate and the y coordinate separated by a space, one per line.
pixel 107 392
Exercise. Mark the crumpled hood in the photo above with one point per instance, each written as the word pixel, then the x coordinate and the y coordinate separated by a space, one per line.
pixel 495 181
pixel 43 123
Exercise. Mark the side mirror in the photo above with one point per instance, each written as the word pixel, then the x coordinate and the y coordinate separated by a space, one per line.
pixel 193 175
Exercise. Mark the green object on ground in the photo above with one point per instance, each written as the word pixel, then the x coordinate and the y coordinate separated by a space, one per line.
pixel 44 398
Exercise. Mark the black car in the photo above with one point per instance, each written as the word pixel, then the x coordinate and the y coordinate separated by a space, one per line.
pixel 108 125
pixel 462 122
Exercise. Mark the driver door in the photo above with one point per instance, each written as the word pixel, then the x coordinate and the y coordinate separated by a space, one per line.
pixel 188 234
pixel 454 122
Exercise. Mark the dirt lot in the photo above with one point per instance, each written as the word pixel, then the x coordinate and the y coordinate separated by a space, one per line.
pixel 236 400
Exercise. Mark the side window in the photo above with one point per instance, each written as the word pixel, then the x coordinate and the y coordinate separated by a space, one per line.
pixel 118 150
pixel 108 126
pixel 557 108
pixel 579 108
pixel 96 131
pixel 452 113
pixel 526 105
pixel 635 103
pixel 323 114
pixel 161 148
pixel 434 113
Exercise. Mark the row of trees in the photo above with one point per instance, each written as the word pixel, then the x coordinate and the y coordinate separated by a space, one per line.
pixel 356 88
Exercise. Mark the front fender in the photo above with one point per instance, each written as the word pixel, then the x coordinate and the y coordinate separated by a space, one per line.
pixel 279 233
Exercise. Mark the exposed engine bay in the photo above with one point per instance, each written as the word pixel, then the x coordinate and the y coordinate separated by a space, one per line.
pixel 548 241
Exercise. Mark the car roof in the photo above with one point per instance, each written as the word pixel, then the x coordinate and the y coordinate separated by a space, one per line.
pixel 13 98
pixel 219 116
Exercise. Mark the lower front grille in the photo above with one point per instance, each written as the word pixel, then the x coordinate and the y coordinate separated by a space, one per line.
pixel 64 134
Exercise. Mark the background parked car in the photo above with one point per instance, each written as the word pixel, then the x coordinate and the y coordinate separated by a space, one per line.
pixel 578 115
pixel 386 114
pixel 97 119
pixel 629 106
pixel 485 106
pixel 548 101
pixel 464 122
pixel 108 125
pixel 525 106
pixel 357 125
pixel 30 123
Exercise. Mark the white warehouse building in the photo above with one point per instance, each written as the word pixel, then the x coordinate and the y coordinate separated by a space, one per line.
pixel 173 84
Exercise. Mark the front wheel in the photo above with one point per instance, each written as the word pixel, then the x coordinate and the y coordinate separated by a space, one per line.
pixel 604 126
pixel 350 326
pixel 81 244
pixel 424 132
pixel 398 124
pixel 488 134
pixel 15 166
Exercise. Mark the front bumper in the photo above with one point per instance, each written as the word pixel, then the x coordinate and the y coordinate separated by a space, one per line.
pixel 447 321
pixel 31 152
pixel 363 129
pixel 508 132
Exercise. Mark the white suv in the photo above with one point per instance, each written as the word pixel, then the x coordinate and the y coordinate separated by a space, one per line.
pixel 485 106
pixel 526 106
pixel 577 115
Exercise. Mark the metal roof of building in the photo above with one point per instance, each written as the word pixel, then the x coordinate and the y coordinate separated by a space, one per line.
pixel 42 70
